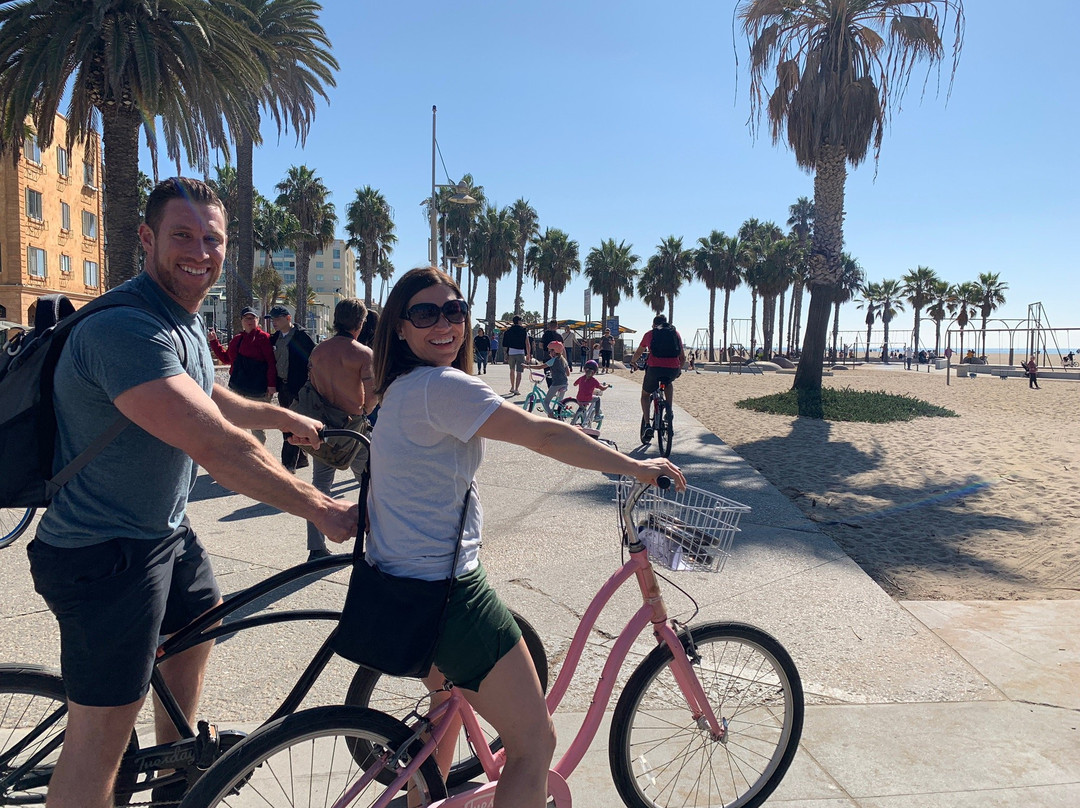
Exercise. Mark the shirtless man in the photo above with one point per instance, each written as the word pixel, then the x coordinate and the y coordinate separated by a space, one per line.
pixel 341 371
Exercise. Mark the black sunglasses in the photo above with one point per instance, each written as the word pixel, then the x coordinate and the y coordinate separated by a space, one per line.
pixel 425 315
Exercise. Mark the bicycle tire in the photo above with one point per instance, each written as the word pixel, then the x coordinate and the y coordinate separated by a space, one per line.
pixel 570 410
pixel 13 523
pixel 530 403
pixel 397 697
pixel 665 433
pixel 752 684
pixel 294 762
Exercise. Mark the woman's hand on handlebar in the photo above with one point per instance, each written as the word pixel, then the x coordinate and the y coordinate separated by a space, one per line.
pixel 649 470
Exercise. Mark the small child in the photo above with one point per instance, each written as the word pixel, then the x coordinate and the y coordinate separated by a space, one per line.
pixel 559 371
pixel 589 384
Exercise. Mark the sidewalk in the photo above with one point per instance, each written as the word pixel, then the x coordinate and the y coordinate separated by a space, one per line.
pixel 913 704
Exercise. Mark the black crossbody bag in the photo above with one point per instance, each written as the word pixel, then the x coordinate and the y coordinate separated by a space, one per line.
pixel 392 624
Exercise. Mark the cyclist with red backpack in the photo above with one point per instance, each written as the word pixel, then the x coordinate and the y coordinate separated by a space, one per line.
pixel 666 357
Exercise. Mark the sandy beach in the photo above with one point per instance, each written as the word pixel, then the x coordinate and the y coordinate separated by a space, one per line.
pixel 984 506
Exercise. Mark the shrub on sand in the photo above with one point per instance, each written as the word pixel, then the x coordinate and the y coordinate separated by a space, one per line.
pixel 846 404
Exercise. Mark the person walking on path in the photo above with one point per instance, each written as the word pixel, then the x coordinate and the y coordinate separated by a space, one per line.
pixel 517 344
pixel 250 357
pixel 481 348
pixel 607 348
pixel 341 375
pixel 292 349
pixel 570 342
pixel 1032 368
pixel 115 557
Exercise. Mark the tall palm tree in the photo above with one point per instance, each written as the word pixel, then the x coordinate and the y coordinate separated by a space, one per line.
pixel 801 222
pixel 964 299
pixel 293 51
pixel 555 256
pixel 918 288
pixel 991 295
pixel 493 242
pixel 673 267
pixel 756 236
pixel 870 296
pixel 710 269
pixel 778 269
pixel 733 258
pixel 938 309
pixel 835 67
pixel 369 221
pixel 225 186
pixel 274 229
pixel 528 228
pixel 455 221
pixel 890 303
pixel 650 286
pixel 611 269
pixel 133 63
pixel 304 195
pixel 851 281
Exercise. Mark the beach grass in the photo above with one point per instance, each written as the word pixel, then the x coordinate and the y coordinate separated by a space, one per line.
pixel 846 404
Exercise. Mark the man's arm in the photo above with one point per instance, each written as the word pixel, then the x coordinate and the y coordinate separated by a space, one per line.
pixel 175 410
pixel 637 355
pixel 248 414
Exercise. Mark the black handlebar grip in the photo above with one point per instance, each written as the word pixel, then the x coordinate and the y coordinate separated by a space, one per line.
pixel 663 482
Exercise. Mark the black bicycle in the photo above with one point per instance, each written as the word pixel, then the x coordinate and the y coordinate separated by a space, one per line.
pixel 33 707
pixel 660 423
pixel 13 523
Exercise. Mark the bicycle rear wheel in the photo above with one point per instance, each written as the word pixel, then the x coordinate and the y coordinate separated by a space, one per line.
pixel 660 757
pixel 397 697
pixel 665 432
pixel 309 758
pixel 29 696
pixel 13 523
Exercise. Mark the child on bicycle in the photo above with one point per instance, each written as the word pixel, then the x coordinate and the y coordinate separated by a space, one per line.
pixel 588 384
pixel 424 457
pixel 558 373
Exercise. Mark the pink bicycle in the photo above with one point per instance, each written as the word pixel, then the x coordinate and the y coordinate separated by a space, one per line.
pixel 711 717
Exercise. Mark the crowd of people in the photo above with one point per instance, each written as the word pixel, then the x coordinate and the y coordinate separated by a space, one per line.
pixel 119 564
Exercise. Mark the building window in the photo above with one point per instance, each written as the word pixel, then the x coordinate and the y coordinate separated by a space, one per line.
pixel 318 277
pixel 31 149
pixel 65 216
pixel 337 253
pixel 337 277
pixel 62 161
pixel 290 278
pixel 35 262
pixel 292 264
pixel 89 225
pixel 337 265
pixel 65 264
pixel 88 175
pixel 318 265
pixel 33 204
pixel 319 251
pixel 90 273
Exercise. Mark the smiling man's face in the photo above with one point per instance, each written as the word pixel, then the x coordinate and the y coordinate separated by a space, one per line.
pixel 186 253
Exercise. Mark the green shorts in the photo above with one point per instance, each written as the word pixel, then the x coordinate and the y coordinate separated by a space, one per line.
pixel 478 632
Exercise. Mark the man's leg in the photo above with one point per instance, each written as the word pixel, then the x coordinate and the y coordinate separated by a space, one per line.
pixel 322 477
pixel 184 675
pixel 94 743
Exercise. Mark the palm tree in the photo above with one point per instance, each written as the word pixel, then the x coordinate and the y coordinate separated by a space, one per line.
pixel 801 222
pixel 851 281
pixel 889 305
pixel 266 286
pixel 304 195
pixel 274 229
pixel 528 228
pixel 291 295
pixel 225 186
pixel 611 269
pixel 962 302
pixel 733 258
pixel 918 287
pixel 455 221
pixel 133 62
pixel 294 53
pixel 492 245
pixel 777 272
pixel 555 256
pixel 871 294
pixel 836 76
pixel 756 236
pixel 650 286
pixel 710 269
pixel 370 225
pixel 938 309
pixel 673 268
pixel 991 295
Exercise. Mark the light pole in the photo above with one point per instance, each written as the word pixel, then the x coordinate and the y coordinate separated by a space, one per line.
pixel 459 197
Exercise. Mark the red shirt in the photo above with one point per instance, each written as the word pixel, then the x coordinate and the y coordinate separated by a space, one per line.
pixel 254 345
pixel 661 361
pixel 586 386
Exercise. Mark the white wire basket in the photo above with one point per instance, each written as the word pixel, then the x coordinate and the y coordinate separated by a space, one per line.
pixel 689 530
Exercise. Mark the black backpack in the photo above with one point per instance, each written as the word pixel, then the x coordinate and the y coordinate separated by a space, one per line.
pixel 28 425
pixel 665 343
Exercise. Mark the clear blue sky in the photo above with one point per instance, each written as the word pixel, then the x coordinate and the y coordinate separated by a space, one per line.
pixel 627 119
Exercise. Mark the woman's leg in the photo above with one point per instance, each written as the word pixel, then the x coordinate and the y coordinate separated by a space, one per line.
pixel 511 699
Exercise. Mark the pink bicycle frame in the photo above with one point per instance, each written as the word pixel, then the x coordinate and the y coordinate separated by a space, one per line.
pixel 652 611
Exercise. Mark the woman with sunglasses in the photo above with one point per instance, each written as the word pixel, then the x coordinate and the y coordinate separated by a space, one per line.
pixel 424 458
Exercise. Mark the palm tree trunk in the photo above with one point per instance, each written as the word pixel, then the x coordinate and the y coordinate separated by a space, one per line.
pixel 120 193
pixel 491 302
pixel 937 337
pixel 712 323
pixel 519 304
pixel 245 210
pixel 835 327
pixel 303 258
pixel 780 325
pixel 671 309
pixel 915 335
pixel 554 307
pixel 724 342
pixel 885 344
pixel 824 267
pixel 867 357
pixel 753 325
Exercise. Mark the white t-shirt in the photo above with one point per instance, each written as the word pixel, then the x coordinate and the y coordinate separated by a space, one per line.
pixel 424 457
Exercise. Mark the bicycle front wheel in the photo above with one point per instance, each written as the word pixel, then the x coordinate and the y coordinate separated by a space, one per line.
pixel 309 758
pixel 661 757
pixel 13 523
pixel 30 697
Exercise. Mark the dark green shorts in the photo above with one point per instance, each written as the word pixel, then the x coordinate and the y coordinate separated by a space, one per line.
pixel 478 632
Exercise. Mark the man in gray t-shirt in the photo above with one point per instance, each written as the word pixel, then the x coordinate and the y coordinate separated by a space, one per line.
pixel 115 558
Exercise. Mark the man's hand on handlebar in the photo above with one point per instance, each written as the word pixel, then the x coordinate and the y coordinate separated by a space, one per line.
pixel 302 431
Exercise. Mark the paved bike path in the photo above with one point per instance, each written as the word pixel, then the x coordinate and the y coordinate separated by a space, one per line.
pixel 928 703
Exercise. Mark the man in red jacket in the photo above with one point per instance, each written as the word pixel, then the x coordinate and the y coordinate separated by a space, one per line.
pixel 253 372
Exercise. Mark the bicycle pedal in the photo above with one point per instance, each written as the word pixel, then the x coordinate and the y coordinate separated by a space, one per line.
pixel 207 743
